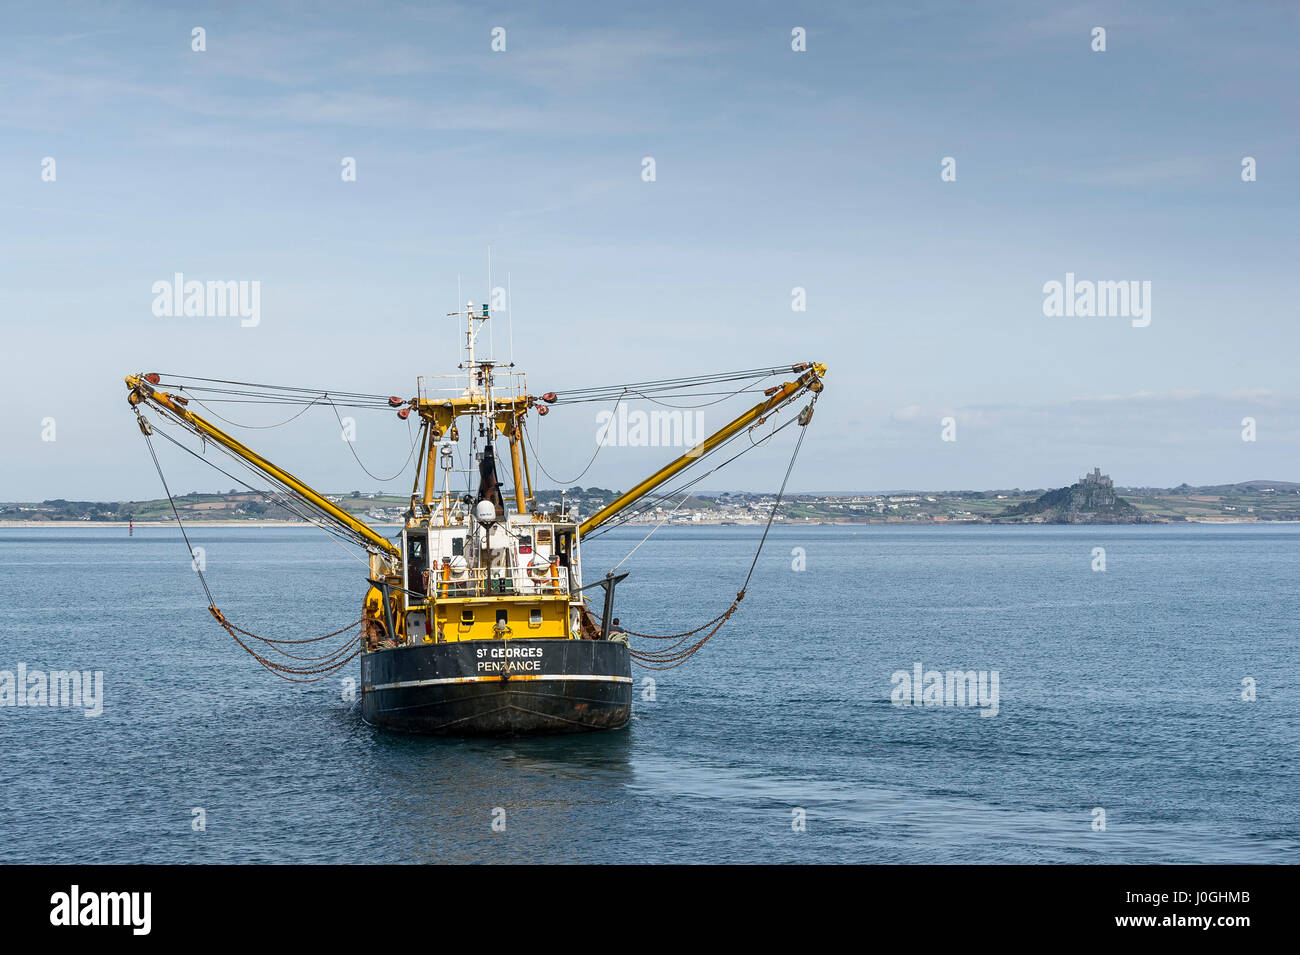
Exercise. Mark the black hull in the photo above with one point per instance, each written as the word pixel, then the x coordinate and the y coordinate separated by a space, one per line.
pixel 498 687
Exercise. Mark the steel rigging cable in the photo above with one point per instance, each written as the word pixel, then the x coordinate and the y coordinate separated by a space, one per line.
pixel 321 666
pixel 677 654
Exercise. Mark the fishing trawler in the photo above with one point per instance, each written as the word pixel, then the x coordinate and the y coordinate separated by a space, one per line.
pixel 476 619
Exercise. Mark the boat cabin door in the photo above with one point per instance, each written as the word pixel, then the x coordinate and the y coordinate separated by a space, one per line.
pixel 564 554
pixel 416 550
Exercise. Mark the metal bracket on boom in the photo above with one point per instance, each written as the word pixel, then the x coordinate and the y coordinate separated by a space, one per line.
pixel 609 582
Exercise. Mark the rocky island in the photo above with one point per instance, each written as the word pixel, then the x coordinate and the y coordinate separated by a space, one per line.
pixel 1092 500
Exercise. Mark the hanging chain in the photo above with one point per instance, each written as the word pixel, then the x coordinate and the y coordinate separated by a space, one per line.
pixel 675 655
pixel 321 667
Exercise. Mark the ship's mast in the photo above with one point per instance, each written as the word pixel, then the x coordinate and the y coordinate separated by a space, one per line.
pixel 479 372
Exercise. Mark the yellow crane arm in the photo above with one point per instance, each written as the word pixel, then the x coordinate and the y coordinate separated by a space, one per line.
pixel 143 391
pixel 810 380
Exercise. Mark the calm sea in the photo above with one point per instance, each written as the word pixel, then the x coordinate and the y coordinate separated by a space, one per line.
pixel 1118 691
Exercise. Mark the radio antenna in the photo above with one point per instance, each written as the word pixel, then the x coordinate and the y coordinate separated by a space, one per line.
pixel 492 350
pixel 510 319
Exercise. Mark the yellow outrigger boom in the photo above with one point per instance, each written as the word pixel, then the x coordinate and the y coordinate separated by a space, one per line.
pixel 143 391
pixel 810 380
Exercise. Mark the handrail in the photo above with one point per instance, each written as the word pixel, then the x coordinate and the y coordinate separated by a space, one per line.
pixel 489 582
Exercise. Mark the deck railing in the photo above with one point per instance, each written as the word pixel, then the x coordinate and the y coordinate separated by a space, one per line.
pixel 500 582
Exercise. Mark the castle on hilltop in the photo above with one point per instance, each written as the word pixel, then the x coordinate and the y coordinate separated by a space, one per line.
pixel 1097 478
pixel 1094 490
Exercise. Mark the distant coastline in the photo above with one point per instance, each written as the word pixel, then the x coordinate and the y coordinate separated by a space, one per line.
pixel 1093 499
pixel 795 523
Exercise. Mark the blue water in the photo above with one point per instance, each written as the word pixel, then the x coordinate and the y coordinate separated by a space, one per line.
pixel 1119 690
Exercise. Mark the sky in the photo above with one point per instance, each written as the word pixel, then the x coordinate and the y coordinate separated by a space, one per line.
pixel 820 169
